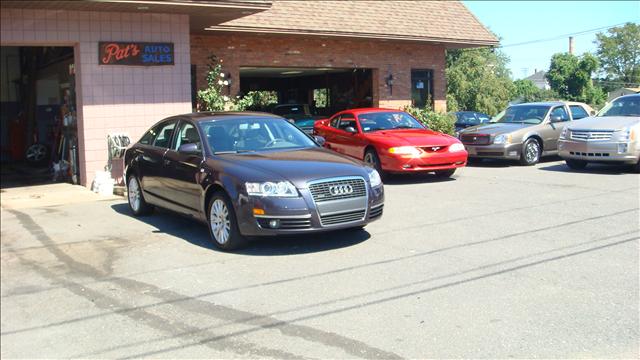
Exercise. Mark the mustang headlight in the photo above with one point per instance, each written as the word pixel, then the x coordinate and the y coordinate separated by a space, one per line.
pixel 374 178
pixel 502 139
pixel 564 133
pixel 456 147
pixel 405 150
pixel 278 189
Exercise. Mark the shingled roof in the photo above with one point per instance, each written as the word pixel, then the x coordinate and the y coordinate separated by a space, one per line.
pixel 431 21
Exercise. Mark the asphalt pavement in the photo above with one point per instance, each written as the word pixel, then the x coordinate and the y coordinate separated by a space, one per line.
pixel 501 261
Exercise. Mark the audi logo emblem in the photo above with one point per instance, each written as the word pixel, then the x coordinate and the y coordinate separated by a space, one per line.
pixel 340 189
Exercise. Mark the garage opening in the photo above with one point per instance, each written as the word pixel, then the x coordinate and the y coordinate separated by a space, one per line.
pixel 324 91
pixel 38 124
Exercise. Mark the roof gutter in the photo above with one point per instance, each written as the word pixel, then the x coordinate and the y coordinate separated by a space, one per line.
pixel 249 29
pixel 238 4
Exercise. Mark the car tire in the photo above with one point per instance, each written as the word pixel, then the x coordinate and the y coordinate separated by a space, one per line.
pixel 445 173
pixel 135 197
pixel 576 164
pixel 371 158
pixel 473 160
pixel 636 168
pixel 223 224
pixel 531 151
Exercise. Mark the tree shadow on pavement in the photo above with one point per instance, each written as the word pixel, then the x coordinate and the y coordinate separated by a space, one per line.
pixel 591 169
pixel 196 233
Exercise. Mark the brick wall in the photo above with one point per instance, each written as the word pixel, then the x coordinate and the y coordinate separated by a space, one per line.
pixel 110 98
pixel 397 57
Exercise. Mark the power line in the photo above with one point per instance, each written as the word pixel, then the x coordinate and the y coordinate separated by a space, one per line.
pixel 562 36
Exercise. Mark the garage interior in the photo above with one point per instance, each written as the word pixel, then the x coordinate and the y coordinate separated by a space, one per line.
pixel 38 116
pixel 325 90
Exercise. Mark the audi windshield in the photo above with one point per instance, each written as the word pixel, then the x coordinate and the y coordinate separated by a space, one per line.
pixel 232 136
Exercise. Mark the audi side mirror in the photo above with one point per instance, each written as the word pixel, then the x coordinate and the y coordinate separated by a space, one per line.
pixel 320 140
pixel 191 148
pixel 555 118
pixel 350 129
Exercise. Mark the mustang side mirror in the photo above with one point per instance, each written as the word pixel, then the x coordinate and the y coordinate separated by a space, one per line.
pixel 320 140
pixel 191 148
pixel 556 118
pixel 350 129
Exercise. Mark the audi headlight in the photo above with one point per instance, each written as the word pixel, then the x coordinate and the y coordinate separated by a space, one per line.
pixel 502 139
pixel 278 189
pixel 564 133
pixel 405 150
pixel 374 178
pixel 456 147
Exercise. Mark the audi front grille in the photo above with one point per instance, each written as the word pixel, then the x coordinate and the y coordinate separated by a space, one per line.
pixel 335 219
pixel 338 189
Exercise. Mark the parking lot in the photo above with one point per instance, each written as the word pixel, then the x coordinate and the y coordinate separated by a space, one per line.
pixel 500 261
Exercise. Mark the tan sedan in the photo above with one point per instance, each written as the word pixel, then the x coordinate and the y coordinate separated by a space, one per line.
pixel 523 132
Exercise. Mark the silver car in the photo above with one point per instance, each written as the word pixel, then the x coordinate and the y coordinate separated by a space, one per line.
pixel 523 132
pixel 609 137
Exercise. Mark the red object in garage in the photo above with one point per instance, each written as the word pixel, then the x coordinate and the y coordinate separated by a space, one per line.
pixel 17 130
pixel 391 141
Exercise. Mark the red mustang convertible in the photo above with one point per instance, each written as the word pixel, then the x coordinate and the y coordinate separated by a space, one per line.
pixel 391 141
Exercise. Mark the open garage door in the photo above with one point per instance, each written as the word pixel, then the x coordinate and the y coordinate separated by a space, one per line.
pixel 37 117
pixel 324 90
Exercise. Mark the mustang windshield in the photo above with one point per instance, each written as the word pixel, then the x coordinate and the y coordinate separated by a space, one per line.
pixel 250 135
pixel 629 106
pixel 388 121
pixel 523 114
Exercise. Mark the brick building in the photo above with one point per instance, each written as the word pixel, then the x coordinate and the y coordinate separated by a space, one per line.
pixel 56 65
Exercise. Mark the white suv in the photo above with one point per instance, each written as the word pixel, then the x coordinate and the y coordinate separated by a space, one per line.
pixel 612 136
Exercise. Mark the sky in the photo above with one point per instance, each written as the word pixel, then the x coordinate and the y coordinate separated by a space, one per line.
pixel 521 21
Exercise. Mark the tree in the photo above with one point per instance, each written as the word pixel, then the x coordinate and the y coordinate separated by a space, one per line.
pixel 211 98
pixel 619 55
pixel 478 80
pixel 526 91
pixel 570 76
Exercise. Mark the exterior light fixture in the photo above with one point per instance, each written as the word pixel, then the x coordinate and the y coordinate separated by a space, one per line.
pixel 389 81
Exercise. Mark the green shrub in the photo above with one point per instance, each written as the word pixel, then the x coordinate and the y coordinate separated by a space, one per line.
pixel 435 121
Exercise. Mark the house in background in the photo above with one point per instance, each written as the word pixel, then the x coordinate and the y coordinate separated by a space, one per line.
pixel 539 78
pixel 622 91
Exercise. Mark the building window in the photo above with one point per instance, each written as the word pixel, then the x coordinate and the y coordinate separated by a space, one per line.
pixel 422 88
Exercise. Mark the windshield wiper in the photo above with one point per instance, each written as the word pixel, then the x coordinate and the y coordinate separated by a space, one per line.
pixel 233 152
pixel 405 127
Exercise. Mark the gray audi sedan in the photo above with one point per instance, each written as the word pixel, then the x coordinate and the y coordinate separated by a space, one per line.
pixel 248 175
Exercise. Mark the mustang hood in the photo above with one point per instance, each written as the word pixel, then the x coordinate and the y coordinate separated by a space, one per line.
pixel 411 138
pixel 604 123
pixel 297 166
pixel 495 128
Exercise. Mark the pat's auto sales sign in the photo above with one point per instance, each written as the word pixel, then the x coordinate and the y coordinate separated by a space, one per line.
pixel 135 53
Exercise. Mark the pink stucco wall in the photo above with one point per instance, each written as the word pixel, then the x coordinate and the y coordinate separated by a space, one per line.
pixel 110 98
